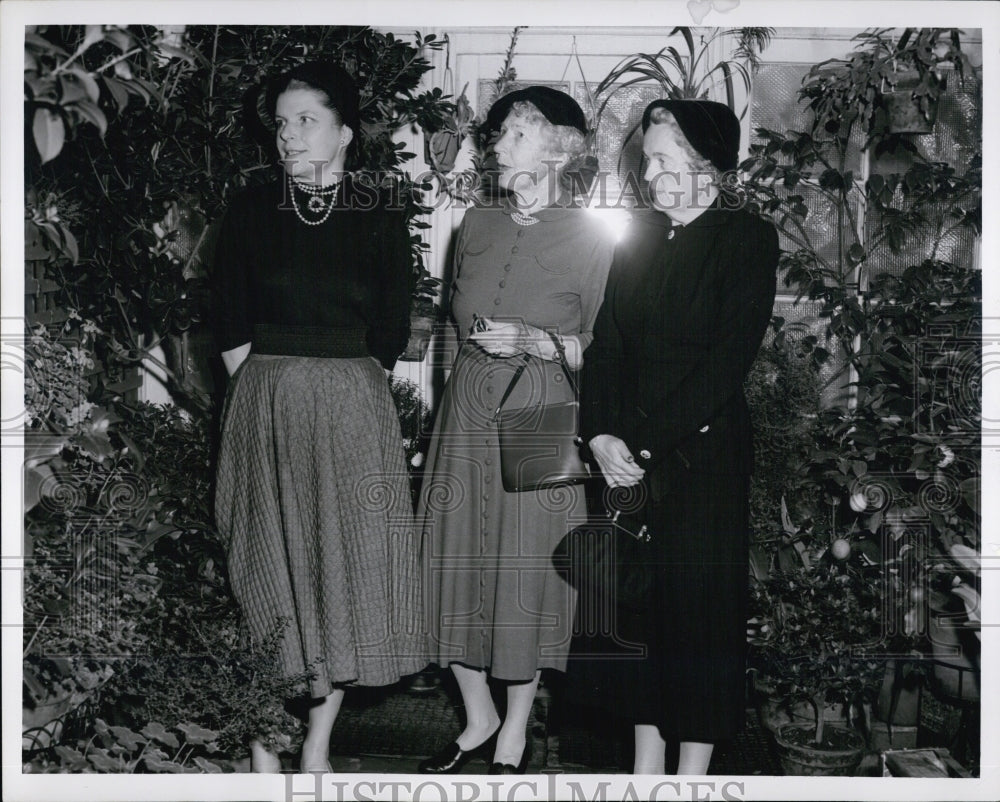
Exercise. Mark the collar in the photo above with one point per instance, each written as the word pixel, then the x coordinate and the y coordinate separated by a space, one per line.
pixel 714 216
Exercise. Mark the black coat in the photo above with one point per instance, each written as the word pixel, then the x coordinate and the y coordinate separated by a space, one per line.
pixel 684 314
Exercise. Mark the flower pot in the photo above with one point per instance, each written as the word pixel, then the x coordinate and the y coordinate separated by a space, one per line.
pixel 838 756
pixel 775 713
pixel 421 329
pixel 906 116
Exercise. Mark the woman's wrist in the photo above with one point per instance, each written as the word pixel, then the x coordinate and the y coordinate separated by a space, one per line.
pixel 530 341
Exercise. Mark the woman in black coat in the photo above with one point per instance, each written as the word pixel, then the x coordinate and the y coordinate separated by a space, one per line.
pixel 687 303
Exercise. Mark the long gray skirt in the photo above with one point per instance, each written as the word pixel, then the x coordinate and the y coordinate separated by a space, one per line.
pixel 494 598
pixel 313 504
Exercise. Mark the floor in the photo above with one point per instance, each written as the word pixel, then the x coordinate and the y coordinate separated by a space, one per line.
pixel 391 730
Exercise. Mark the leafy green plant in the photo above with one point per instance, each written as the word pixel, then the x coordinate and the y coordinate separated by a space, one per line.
pixel 155 749
pixel 155 176
pixel 688 76
pixel 890 484
pixel 908 338
pixel 819 636
pixel 856 91
pixel 128 603
pixel 782 392
pixel 206 671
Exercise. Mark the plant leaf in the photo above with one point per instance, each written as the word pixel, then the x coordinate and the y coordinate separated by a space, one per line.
pixel 90 112
pixel 207 766
pixel 119 92
pixel 175 52
pixel 196 734
pixel 104 762
pixel 49 133
pixel 130 740
pixel 157 732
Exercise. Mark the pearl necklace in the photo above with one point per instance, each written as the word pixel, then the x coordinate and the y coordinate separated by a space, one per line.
pixel 316 203
pixel 522 219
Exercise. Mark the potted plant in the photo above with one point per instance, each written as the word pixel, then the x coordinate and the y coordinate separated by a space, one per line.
pixel 892 474
pixel 817 641
pixel 886 86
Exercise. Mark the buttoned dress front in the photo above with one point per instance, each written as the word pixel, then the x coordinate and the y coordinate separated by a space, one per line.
pixel 494 600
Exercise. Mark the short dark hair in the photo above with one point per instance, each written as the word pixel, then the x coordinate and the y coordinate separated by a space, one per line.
pixel 334 85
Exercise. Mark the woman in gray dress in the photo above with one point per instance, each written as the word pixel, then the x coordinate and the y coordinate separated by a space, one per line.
pixel 531 266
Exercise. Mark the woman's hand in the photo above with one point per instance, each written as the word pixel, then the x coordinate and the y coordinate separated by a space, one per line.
pixel 615 461
pixel 508 339
pixel 499 339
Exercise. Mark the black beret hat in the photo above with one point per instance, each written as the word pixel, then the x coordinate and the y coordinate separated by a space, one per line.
pixel 328 77
pixel 557 107
pixel 711 128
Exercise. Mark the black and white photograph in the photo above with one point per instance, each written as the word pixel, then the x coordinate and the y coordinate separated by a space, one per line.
pixel 500 400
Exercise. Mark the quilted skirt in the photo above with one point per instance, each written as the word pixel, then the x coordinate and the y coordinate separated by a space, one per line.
pixel 313 505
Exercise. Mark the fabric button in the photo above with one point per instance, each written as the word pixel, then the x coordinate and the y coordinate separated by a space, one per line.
pixel 488 461
pixel 520 234
pixel 488 477
pixel 506 268
pixel 514 249
pixel 503 282
pixel 489 375
pixel 703 429
pixel 496 302
pixel 486 497
pixel 489 388
pixel 645 454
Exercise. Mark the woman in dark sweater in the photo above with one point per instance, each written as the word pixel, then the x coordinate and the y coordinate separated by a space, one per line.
pixel 312 500
pixel 687 303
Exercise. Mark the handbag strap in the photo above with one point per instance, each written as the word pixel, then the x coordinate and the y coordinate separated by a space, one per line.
pixel 560 350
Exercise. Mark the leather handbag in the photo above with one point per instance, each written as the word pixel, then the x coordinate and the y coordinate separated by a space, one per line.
pixel 539 444
pixel 608 561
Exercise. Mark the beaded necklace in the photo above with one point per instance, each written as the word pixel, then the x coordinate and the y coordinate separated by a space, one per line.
pixel 317 200
pixel 522 219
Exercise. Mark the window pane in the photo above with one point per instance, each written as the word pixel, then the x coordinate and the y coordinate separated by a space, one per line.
pixel 775 105
pixel 622 114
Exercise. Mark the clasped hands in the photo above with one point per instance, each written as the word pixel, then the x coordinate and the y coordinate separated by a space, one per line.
pixel 505 339
pixel 615 461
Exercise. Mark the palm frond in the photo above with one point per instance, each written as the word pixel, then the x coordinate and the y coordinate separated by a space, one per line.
pixel 751 42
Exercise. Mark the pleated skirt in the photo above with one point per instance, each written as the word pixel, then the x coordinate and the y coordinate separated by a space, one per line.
pixel 313 504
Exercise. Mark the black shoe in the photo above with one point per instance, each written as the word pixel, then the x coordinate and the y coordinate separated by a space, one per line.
pixel 508 768
pixel 424 682
pixel 451 759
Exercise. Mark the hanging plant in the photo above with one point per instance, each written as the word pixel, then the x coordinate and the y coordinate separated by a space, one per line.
pixel 687 76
